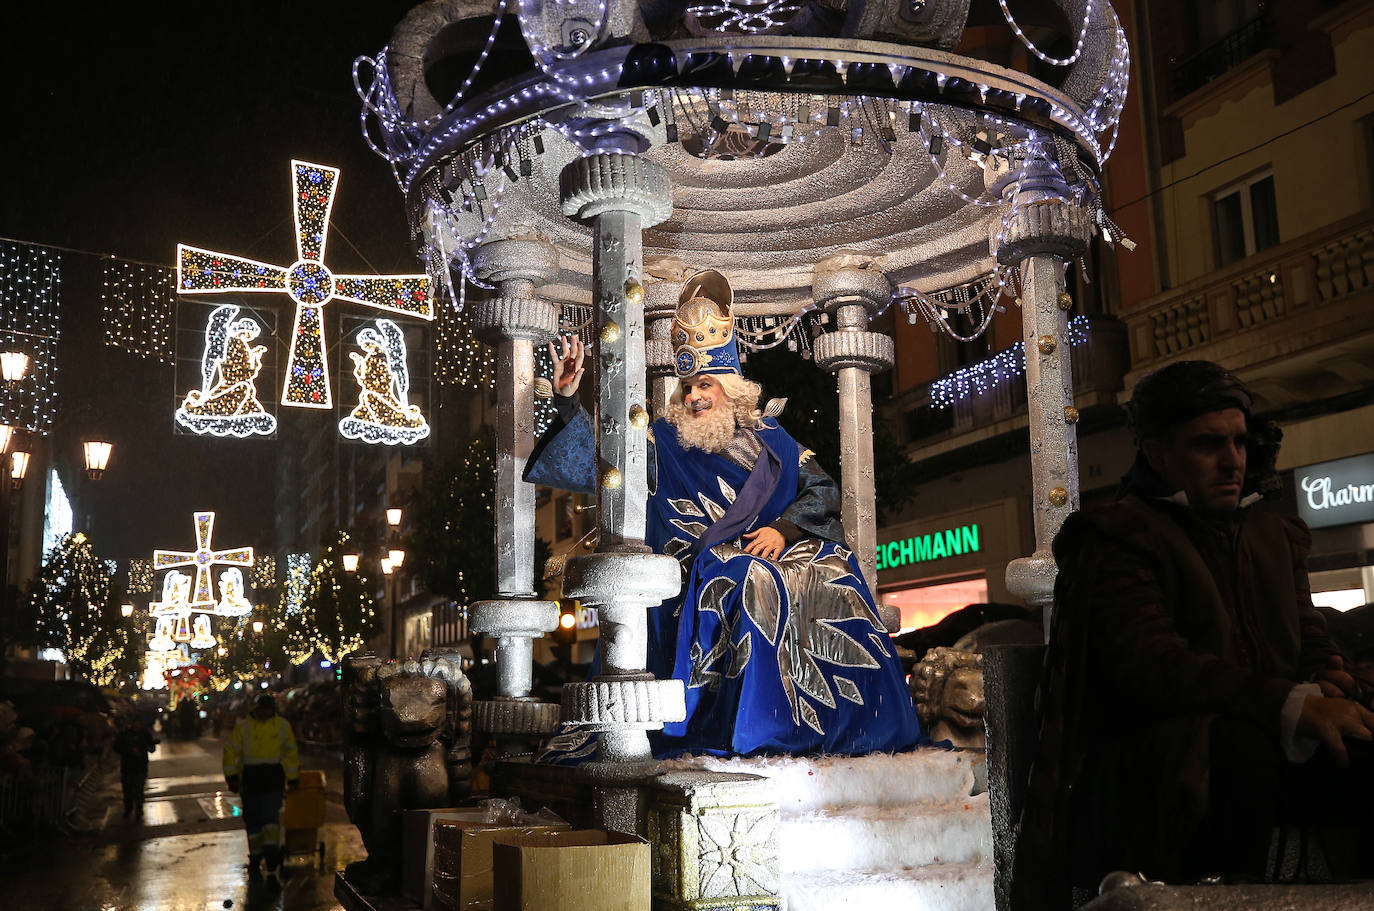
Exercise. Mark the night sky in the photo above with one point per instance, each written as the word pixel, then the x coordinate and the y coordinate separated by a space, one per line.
pixel 131 127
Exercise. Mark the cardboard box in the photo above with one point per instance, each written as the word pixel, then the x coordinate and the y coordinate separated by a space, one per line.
pixel 571 871
pixel 462 870
pixel 417 845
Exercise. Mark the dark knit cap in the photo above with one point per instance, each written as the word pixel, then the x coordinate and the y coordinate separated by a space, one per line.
pixel 1180 392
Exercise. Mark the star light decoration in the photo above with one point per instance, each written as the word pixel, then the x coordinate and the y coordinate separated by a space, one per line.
pixel 202 558
pixel 307 281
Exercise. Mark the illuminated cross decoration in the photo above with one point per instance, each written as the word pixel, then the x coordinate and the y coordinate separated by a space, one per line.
pixel 307 281
pixel 202 558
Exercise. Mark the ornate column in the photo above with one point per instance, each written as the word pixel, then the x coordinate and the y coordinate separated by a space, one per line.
pixel 851 289
pixel 513 321
pixel 620 194
pixel 1039 239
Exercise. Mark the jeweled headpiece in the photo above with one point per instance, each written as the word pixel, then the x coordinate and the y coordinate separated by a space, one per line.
pixel 703 330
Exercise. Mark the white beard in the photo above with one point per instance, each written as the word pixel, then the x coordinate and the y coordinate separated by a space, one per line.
pixel 711 431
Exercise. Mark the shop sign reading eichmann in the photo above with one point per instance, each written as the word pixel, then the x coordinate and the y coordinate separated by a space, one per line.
pixel 950 542
pixel 1336 493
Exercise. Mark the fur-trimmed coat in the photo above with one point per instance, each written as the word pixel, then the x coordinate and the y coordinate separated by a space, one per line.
pixel 1163 620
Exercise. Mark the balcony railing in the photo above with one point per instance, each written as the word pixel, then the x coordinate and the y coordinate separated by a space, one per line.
pixel 1098 359
pixel 1297 296
pixel 1228 53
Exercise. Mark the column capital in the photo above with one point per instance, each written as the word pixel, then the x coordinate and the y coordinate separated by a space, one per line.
pixel 616 182
pixel 871 352
pixel 516 265
pixel 850 279
pixel 1048 226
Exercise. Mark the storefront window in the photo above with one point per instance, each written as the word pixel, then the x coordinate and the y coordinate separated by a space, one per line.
pixel 926 605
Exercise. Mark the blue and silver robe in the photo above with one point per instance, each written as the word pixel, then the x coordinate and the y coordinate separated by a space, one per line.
pixel 777 656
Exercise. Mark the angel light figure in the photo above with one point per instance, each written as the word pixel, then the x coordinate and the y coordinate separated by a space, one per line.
pixel 226 404
pixel 162 636
pixel 232 603
pixel 203 638
pixel 383 415
pixel 176 596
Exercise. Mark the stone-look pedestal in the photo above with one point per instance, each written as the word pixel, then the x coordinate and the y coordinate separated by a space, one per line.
pixel 714 838
pixel 851 293
pixel 620 195
pixel 514 320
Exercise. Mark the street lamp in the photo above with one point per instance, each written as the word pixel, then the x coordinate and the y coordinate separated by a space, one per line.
pixel 393 516
pixel 257 626
pixel 350 563
pixel 97 454
pixel 126 609
pixel 397 557
pixel 387 566
pixel 13 365
pixel 20 460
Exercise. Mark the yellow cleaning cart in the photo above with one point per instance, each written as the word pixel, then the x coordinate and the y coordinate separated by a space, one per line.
pixel 302 815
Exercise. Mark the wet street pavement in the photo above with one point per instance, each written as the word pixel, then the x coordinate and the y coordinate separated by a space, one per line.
pixel 188 853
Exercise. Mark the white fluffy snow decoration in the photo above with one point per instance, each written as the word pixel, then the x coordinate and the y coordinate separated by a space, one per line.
pixel 877 832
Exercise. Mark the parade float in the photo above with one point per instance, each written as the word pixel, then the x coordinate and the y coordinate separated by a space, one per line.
pixel 566 165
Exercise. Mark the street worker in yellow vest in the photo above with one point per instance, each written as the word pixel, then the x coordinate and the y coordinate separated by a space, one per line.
pixel 260 762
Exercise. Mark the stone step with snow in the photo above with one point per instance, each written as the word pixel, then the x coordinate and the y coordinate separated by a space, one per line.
pixel 809 783
pixel 883 832
pixel 885 838
pixel 943 887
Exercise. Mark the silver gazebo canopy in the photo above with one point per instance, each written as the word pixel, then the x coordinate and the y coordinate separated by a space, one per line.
pixel 578 158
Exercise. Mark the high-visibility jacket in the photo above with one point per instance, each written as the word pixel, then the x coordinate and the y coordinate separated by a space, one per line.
pixel 261 743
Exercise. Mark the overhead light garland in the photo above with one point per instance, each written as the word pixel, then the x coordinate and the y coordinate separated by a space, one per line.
pixel 140 576
pixel 202 558
pixel 139 302
pixel 226 404
pixel 383 413
pixel 980 378
pixel 265 571
pixel 297 577
pixel 308 282
pixel 30 310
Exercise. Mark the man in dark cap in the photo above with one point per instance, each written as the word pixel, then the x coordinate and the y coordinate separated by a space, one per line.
pixel 1192 699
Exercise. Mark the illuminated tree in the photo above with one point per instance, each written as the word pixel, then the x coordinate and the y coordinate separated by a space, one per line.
pixel 69 604
pixel 337 614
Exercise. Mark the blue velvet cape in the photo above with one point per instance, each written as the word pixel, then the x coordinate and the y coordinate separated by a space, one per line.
pixel 777 656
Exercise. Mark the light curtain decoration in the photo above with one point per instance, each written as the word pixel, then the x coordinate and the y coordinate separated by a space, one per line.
pixel 139 303
pixel 30 306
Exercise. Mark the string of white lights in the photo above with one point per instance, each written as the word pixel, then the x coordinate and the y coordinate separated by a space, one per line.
pixel 1030 45
pixel 980 378
pixel 139 302
pixel 30 310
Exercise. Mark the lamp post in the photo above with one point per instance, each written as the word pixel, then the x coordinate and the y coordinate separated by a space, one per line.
pixel 6 434
pixel 387 569
pixel 350 563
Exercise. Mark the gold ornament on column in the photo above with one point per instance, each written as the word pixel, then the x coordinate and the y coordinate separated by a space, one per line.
pixel 1059 496
pixel 639 418
pixel 1070 414
pixel 611 479
pixel 1065 301
pixel 610 332
pixel 1046 344
pixel 634 291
